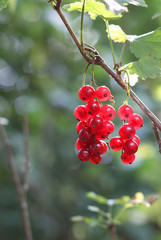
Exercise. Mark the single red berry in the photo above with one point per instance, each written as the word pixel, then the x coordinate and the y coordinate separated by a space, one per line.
pixel 78 145
pixel 101 135
pixel 80 113
pixel 81 125
pixel 96 124
pixel 127 131
pixel 136 121
pixel 125 112
pixel 97 148
pixel 103 93
pixel 105 147
pixel 108 127
pixel 93 108
pixel 130 147
pixel 95 159
pixel 127 159
pixel 84 154
pixel 107 112
pixel 86 136
pixel 89 119
pixel 136 139
pixel 116 144
pixel 87 93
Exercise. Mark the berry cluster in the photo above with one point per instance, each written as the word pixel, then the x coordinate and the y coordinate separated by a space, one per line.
pixel 94 124
pixel 127 141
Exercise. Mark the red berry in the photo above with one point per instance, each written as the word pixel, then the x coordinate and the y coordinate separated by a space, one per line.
pixel 101 135
pixel 78 145
pixel 81 125
pixel 136 139
pixel 86 136
pixel 127 159
pixel 126 131
pixel 80 113
pixel 107 112
pixel 125 111
pixel 93 108
pixel 86 93
pixel 108 127
pixel 95 159
pixel 116 144
pixel 130 147
pixel 97 148
pixel 105 147
pixel 96 124
pixel 136 121
pixel 103 93
pixel 84 154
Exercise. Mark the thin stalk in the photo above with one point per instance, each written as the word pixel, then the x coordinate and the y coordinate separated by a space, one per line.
pixel 20 191
pixel 119 214
pixel 122 52
pixel 84 75
pixel 112 230
pixel 128 89
pixel 82 21
pixel 95 85
pixel 110 40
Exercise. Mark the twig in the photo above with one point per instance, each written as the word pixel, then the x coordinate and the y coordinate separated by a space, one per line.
pixel 26 152
pixel 112 230
pixel 19 188
pixel 98 60
pixel 156 131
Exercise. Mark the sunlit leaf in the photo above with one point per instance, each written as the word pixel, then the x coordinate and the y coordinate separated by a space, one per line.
pixel 123 200
pixel 77 218
pixel 93 8
pixel 97 198
pixel 156 15
pixel 147 45
pixel 117 34
pixel 3 4
pixel 133 2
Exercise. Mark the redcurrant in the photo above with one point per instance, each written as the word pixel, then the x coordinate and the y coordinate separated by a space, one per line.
pixel 116 144
pixel 126 131
pixel 80 113
pixel 96 124
pixel 127 159
pixel 93 108
pixel 84 154
pixel 136 121
pixel 97 148
pixel 87 93
pixel 125 111
pixel 130 147
pixel 103 93
pixel 107 112
pixel 95 159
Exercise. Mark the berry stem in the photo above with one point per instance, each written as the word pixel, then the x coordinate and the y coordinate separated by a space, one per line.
pixel 81 29
pixel 128 88
pixel 92 80
pixel 84 75
pixel 110 40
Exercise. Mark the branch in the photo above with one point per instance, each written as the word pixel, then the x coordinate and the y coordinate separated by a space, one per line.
pixel 26 152
pixel 98 60
pixel 112 230
pixel 19 188
pixel 156 131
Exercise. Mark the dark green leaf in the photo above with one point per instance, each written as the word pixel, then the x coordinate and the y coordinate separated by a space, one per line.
pixel 94 9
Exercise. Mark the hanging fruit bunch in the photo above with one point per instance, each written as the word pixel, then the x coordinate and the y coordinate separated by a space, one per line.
pixel 95 125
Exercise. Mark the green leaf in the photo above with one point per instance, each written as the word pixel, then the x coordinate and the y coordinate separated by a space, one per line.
pixel 97 198
pixel 117 34
pixel 123 200
pixel 3 4
pixel 147 45
pixel 146 68
pixel 94 9
pixel 133 2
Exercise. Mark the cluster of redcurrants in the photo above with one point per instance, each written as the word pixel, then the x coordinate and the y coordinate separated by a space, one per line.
pixel 94 124
pixel 127 141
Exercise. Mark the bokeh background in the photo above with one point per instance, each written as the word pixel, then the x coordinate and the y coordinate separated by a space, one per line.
pixel 41 72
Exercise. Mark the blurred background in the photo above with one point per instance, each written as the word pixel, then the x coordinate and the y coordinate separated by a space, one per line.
pixel 41 72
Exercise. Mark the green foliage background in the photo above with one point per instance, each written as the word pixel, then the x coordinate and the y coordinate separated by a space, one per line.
pixel 41 71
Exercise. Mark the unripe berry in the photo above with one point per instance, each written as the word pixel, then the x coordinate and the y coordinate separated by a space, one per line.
pixel 103 93
pixel 125 112
pixel 86 93
pixel 116 144
pixel 126 131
